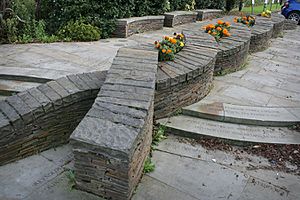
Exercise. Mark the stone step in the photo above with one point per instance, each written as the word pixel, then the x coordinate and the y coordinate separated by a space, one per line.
pixel 10 87
pixel 194 127
pixel 251 115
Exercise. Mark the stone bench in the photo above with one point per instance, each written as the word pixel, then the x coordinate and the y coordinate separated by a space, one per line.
pixel 44 117
pixel 276 21
pixel 206 14
pixel 179 17
pixel 129 26
pixel 111 143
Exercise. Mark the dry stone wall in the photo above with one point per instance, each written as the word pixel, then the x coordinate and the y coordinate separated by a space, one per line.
pixel 113 140
pixel 44 117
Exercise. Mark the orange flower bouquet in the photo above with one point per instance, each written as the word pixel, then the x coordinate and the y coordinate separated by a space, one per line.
pixel 248 20
pixel 219 30
pixel 169 46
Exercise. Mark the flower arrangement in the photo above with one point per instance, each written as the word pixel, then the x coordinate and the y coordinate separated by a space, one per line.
pixel 266 13
pixel 169 46
pixel 219 30
pixel 248 20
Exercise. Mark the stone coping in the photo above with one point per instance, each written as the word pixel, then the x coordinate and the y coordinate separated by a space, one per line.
pixel 129 26
pixel 238 134
pixel 135 19
pixel 204 14
pixel 251 115
pixel 176 18
pixel 115 136
pixel 45 116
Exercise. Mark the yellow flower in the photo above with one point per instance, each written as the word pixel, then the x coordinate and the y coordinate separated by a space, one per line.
pixel 181 44
pixel 163 50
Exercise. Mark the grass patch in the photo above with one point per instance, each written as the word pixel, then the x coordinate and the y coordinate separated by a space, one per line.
pixel 259 9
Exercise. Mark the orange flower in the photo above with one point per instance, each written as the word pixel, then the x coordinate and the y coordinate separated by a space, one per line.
pixel 225 32
pixel 166 38
pixel 227 23
pixel 219 29
pixel 173 41
pixel 244 18
pixel 209 32
pixel 157 46
pixel 163 50
pixel 169 51
pixel 220 22
pixel 214 33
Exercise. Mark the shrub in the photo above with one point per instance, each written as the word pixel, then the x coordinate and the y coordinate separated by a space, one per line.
pixel 216 4
pixel 182 4
pixel 229 5
pixel 79 31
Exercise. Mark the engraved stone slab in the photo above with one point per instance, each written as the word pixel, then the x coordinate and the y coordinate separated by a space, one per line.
pixel 267 116
pixel 196 127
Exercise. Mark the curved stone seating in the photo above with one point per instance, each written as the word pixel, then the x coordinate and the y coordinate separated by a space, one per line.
pixel 113 140
pixel 206 14
pixel 179 17
pixel 289 25
pixel 260 37
pixel 129 26
pixel 44 117
pixel 276 22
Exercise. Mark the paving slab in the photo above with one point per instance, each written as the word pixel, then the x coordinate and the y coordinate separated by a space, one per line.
pixel 198 178
pixel 196 128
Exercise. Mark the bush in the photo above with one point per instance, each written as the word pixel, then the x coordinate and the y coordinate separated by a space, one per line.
pixel 79 31
pixel 103 14
pixel 229 5
pixel 216 4
pixel 182 4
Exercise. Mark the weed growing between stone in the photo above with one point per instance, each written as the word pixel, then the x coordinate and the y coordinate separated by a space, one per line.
pixel 71 179
pixel 157 136
pixel 149 166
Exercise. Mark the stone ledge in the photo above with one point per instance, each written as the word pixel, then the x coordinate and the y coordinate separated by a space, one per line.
pixel 129 26
pixel 238 134
pixel 116 134
pixel 249 115
pixel 179 17
pixel 44 117
pixel 206 14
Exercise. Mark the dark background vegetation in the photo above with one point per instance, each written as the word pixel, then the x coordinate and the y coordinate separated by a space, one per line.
pixel 24 21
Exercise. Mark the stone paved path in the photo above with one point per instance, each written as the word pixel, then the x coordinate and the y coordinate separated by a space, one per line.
pixel 27 65
pixel 271 77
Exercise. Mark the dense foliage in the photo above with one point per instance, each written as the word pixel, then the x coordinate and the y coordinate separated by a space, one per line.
pixel 79 31
pixel 230 4
pixel 47 20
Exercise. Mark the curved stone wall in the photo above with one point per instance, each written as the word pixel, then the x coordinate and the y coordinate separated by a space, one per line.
pixel 44 117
